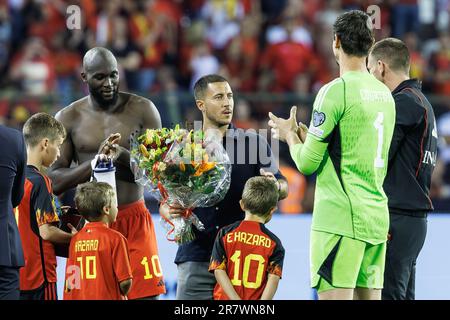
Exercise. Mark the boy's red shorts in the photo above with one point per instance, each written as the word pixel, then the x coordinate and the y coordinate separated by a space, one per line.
pixel 135 223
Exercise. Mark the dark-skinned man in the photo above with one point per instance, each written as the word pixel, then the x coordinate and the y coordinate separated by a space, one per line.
pixel 100 123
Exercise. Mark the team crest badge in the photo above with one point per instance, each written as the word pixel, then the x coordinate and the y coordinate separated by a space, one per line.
pixel 318 118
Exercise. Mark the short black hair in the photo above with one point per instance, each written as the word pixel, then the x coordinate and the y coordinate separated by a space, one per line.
pixel 202 83
pixel 354 29
pixel 393 52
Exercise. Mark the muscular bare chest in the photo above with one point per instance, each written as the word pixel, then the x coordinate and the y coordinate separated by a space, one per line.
pixel 94 127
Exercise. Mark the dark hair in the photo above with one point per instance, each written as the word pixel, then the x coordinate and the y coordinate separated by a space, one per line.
pixel 355 33
pixel 260 195
pixel 91 197
pixel 40 126
pixel 202 83
pixel 393 52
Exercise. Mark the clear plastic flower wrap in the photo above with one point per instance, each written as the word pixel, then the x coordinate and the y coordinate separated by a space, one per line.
pixel 182 168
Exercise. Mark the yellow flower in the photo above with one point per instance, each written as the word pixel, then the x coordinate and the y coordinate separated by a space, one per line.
pixel 149 137
pixel 143 150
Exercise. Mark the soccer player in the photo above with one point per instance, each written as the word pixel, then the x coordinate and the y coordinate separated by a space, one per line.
pixel 214 98
pixel 98 267
pixel 347 143
pixel 38 219
pixel 412 158
pixel 247 258
pixel 97 124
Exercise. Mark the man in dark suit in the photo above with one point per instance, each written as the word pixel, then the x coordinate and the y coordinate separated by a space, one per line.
pixel 13 160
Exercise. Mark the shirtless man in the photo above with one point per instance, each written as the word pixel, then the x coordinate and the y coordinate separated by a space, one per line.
pixel 95 124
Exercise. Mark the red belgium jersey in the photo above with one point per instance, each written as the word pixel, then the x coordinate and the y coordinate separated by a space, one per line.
pixel 248 252
pixel 98 261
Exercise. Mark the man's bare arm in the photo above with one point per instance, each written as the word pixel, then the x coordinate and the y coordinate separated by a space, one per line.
pixel 64 177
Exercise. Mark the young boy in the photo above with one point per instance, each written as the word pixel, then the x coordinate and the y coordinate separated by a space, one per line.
pixel 98 267
pixel 247 258
pixel 37 216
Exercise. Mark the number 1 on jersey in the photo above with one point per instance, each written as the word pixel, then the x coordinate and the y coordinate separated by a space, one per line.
pixel 378 124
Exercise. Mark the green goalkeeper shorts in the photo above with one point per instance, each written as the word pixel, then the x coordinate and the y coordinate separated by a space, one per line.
pixel 342 262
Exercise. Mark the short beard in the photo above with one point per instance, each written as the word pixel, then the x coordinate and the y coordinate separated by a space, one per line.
pixel 102 102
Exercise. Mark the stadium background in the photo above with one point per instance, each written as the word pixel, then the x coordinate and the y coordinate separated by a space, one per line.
pixel 275 53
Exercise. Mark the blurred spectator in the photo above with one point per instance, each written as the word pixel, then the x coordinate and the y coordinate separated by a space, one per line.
pixel 149 32
pixel 440 63
pixel 126 53
pixel 292 27
pixel 287 59
pixel 17 18
pixel 5 37
pixel 67 66
pixel 272 9
pixel 276 53
pixel 327 16
pixel 443 15
pixel 33 68
pixel 242 53
pixel 110 11
pixel 169 103
pixel 418 62
pixel 202 62
pixel 43 14
pixel 222 18
pixel 405 17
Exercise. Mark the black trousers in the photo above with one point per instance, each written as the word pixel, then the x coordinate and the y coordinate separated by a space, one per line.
pixel 407 236
pixel 9 283
pixel 47 291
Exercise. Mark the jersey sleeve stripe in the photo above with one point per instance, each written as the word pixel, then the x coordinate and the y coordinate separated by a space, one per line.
pixel 324 90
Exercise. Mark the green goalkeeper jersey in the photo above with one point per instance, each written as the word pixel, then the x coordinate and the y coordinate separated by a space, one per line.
pixel 348 144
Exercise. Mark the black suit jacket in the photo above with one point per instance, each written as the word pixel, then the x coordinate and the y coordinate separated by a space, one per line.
pixel 13 160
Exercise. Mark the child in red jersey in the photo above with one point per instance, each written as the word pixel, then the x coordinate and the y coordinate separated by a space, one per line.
pixel 37 214
pixel 98 267
pixel 247 258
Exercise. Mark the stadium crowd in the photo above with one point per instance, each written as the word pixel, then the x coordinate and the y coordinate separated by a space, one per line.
pixel 274 53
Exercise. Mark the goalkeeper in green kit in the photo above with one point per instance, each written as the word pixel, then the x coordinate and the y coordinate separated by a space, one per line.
pixel 347 144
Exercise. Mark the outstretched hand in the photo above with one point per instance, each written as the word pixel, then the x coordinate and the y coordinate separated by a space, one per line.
pixel 282 127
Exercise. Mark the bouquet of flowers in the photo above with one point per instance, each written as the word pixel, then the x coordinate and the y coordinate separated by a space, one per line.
pixel 181 167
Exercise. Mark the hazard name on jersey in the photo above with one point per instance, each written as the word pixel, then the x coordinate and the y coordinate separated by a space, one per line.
pixel 86 245
pixel 249 238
